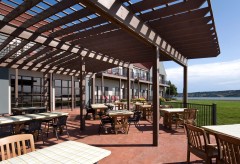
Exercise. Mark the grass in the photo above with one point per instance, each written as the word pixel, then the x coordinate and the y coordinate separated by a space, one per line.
pixel 228 112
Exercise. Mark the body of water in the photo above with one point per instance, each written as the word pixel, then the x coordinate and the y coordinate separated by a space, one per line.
pixel 210 98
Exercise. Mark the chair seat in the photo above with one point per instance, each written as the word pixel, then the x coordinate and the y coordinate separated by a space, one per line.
pixel 199 145
pixel 105 120
pixel 212 150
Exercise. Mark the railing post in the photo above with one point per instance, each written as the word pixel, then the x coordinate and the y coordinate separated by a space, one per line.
pixel 214 114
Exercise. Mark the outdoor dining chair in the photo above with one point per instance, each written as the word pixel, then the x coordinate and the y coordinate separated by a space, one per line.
pixel 89 109
pixel 105 122
pixel 16 145
pixel 135 119
pixel 161 112
pixel 198 144
pixel 228 149
pixel 187 117
pixel 6 130
pixel 34 127
pixel 60 125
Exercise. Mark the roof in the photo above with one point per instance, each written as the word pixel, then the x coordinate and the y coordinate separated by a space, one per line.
pixel 53 36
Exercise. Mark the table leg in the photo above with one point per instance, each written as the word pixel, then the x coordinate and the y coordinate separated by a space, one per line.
pixel 124 124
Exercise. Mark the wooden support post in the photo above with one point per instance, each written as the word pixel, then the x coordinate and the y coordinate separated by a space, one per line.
pixel 93 86
pixel 82 120
pixel 120 88
pixel 185 94
pixel 156 97
pixel 128 86
pixel 16 88
pixel 51 92
pixel 102 89
pixel 72 93
pixel 45 90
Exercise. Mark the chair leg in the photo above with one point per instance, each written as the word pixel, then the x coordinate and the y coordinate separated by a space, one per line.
pixel 188 156
pixel 128 127
pixel 94 116
pixel 86 116
pixel 55 130
pixel 99 129
pixel 67 131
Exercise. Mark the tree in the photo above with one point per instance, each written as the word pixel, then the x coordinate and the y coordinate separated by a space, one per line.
pixel 172 90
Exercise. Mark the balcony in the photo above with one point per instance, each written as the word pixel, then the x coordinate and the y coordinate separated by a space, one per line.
pixel 136 76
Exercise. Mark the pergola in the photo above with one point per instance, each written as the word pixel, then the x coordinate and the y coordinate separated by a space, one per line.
pixel 76 37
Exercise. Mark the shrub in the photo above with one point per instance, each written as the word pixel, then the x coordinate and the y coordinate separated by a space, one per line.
pixel 162 99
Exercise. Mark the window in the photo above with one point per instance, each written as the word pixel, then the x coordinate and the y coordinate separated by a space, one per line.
pixel 30 91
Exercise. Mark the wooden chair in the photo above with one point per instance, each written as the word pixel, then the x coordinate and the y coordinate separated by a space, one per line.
pixel 16 145
pixel 228 149
pixel 161 112
pixel 198 144
pixel 188 117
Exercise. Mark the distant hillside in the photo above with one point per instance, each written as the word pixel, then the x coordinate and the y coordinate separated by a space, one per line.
pixel 229 93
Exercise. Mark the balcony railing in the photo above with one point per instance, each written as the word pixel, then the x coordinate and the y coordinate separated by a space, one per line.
pixel 135 76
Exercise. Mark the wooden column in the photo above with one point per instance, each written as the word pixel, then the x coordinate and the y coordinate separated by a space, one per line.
pixel 156 97
pixel 16 88
pixel 120 88
pixel 128 85
pixel 148 91
pixel 72 93
pixel 93 86
pixel 139 88
pixel 45 89
pixel 82 121
pixel 185 94
pixel 51 92
pixel 102 89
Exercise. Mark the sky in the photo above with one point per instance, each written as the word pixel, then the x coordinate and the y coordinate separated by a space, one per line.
pixel 219 73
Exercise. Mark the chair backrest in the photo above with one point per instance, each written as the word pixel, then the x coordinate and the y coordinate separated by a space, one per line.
pixel 190 115
pixel 168 106
pixel 6 130
pixel 15 145
pixel 62 120
pixel 35 125
pixel 228 149
pixel 197 138
pixel 165 106
pixel 137 115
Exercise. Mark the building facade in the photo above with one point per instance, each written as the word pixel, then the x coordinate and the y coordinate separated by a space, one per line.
pixel 57 91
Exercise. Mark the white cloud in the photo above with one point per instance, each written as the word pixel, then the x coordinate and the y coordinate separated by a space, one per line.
pixel 208 77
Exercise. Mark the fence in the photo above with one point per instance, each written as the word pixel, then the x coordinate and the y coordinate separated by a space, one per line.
pixel 206 114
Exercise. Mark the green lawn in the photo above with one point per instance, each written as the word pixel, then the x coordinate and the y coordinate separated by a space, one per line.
pixel 228 112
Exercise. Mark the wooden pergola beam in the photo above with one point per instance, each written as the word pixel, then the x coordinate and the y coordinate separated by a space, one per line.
pixel 115 12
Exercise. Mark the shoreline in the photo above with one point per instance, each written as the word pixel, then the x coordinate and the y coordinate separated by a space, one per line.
pixel 212 98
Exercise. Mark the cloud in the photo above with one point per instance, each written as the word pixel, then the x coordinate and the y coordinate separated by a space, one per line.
pixel 208 77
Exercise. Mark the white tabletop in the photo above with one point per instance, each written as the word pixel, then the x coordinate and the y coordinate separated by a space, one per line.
pixel 28 108
pixel 28 117
pixel 146 106
pixel 119 112
pixel 53 114
pixel 65 152
pixel 12 119
pixel 231 130
pixel 98 106
pixel 170 110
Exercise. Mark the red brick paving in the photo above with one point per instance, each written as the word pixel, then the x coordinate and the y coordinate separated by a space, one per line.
pixel 134 147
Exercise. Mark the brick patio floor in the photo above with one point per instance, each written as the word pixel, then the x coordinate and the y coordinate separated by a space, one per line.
pixel 134 147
